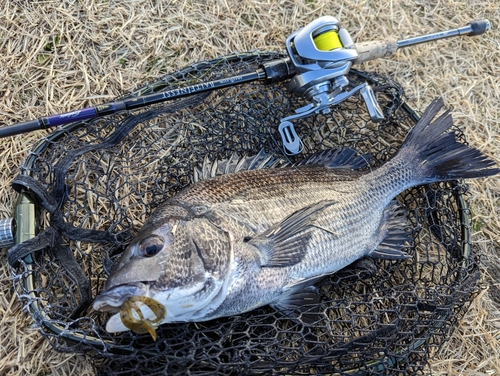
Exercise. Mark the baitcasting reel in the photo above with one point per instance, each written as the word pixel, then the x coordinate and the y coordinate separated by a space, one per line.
pixel 322 53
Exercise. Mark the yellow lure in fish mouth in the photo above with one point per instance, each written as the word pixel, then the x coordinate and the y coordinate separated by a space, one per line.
pixel 142 325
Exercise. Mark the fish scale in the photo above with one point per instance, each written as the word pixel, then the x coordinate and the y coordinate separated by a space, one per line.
pixel 237 195
pixel 351 224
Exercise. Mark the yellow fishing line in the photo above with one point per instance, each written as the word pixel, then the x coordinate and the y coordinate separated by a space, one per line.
pixel 327 41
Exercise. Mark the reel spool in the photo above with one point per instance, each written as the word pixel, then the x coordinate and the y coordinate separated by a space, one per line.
pixel 328 39
pixel 321 53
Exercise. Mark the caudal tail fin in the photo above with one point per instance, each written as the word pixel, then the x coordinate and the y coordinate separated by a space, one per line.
pixel 437 155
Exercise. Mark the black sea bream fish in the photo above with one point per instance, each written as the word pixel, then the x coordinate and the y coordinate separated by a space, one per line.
pixel 234 242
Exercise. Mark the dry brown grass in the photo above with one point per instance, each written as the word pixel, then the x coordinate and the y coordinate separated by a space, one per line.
pixel 61 55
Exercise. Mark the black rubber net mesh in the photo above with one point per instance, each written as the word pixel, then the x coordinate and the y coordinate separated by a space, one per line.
pixel 96 182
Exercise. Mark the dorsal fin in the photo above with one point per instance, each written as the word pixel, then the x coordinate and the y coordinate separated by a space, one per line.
pixel 234 164
pixel 338 158
pixel 333 158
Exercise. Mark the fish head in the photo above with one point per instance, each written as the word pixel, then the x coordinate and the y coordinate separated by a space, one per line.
pixel 182 262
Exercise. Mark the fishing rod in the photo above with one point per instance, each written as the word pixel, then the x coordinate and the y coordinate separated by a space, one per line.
pixel 319 57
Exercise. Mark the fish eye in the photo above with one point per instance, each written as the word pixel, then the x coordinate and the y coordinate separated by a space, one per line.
pixel 150 246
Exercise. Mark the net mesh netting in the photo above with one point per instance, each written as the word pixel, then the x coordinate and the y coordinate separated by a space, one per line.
pixel 96 182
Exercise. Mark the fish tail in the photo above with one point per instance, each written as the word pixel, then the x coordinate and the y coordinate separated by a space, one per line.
pixel 436 155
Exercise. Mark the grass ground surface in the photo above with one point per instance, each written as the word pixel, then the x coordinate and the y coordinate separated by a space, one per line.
pixel 57 56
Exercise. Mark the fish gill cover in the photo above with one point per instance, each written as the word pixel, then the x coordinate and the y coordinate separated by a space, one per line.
pixel 97 182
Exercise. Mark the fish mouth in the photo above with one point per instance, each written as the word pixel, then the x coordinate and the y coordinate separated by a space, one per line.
pixel 112 299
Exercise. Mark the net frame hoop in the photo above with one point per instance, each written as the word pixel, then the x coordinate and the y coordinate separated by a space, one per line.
pixel 61 331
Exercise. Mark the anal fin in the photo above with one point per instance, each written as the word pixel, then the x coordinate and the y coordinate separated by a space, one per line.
pixel 360 269
pixel 394 225
pixel 302 305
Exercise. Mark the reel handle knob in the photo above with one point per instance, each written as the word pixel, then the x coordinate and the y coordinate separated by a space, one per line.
pixel 372 105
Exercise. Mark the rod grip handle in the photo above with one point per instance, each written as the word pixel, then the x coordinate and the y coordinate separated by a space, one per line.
pixel 375 50
pixel 28 126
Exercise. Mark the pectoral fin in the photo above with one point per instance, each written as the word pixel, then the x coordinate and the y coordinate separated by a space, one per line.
pixel 285 243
